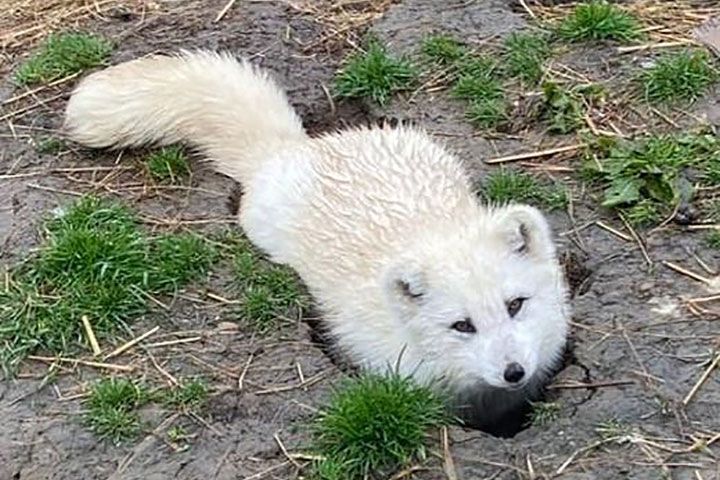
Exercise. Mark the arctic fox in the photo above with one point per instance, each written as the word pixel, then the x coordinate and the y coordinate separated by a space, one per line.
pixel 409 269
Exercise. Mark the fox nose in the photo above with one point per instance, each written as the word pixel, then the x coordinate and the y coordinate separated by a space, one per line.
pixel 514 372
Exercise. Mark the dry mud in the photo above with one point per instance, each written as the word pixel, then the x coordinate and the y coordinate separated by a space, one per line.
pixel 632 336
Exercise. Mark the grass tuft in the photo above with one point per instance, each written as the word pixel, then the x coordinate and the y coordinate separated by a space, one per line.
pixel 679 76
pixel 191 395
pixel 375 424
pixel 170 164
pixel 180 258
pixel 443 49
pixel 62 55
pixel 49 145
pixel 268 291
pixel 111 409
pixel 95 261
pixel 598 20
pixel 544 413
pixel 713 239
pixel 478 85
pixel 507 185
pixel 374 74
pixel 525 55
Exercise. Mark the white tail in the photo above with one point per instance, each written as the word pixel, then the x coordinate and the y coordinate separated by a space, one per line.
pixel 233 112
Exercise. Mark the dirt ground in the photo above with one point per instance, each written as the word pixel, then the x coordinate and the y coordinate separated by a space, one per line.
pixel 636 351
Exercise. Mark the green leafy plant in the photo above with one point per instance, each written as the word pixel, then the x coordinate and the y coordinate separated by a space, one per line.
pixel 645 177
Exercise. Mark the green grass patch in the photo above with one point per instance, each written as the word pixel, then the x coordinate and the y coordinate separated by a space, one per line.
pixel 525 55
pixel 509 185
pixel 544 413
pixel 598 20
pixel 613 429
pixel 646 177
pixel 62 55
pixel 443 49
pixel 480 86
pixel 713 239
pixel 374 425
pixel 169 164
pixel 111 409
pixel 49 145
pixel 684 75
pixel 375 74
pixel 95 261
pixel 268 292
pixel 190 395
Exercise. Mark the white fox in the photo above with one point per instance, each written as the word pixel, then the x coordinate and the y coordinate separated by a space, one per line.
pixel 381 224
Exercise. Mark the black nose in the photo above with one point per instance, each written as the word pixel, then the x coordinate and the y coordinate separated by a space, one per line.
pixel 514 373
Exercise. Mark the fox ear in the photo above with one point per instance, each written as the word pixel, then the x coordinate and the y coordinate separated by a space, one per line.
pixel 526 231
pixel 405 284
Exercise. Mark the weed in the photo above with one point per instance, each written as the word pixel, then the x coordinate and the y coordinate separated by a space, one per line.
pixel 190 395
pixel 374 74
pixel 544 413
pixel 177 433
pixel 62 55
pixel 170 164
pixel 95 261
pixel 267 290
pixel 506 185
pixel 111 408
pixel 374 424
pixel 649 175
pixel 565 108
pixel 644 213
pixel 598 20
pixel 612 429
pixel 525 55
pixel 678 76
pixel 49 145
pixel 443 49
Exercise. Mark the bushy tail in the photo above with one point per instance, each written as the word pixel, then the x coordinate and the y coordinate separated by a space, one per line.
pixel 230 110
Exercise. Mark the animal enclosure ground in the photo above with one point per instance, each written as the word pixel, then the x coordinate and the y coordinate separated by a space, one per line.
pixel 207 392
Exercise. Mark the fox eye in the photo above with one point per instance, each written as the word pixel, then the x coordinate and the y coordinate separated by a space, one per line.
pixel 464 326
pixel 514 306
